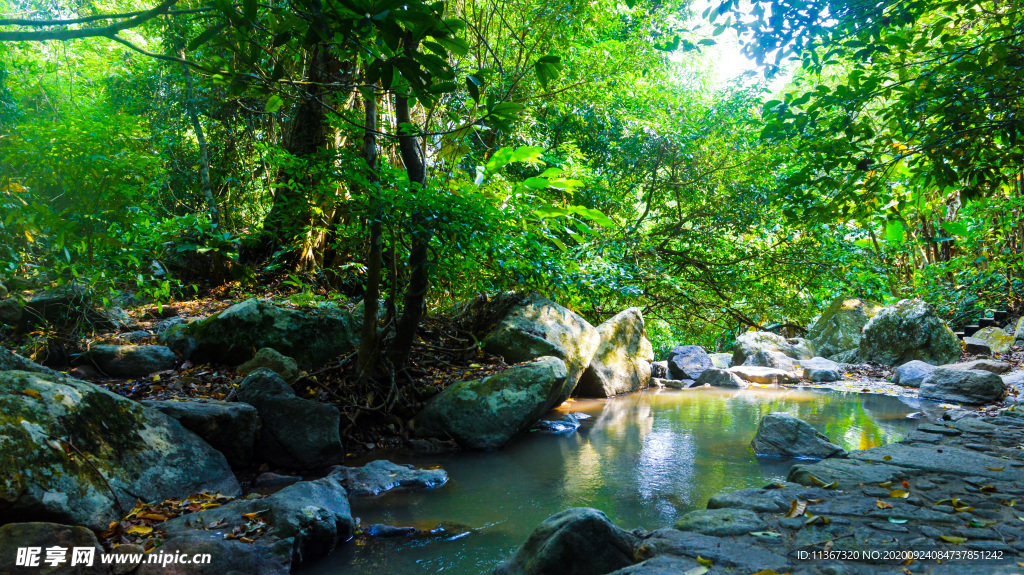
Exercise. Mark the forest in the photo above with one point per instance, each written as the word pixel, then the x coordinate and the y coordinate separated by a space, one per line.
pixel 382 178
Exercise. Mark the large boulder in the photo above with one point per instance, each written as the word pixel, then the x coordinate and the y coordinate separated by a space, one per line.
pixel 15 537
pixel 294 432
pixel 995 338
pixel 779 434
pixel 688 362
pixel 750 342
pixel 577 541
pixel 490 412
pixel 310 336
pixel 70 447
pixel 907 331
pixel 312 517
pixel 130 360
pixel 229 427
pixel 971 386
pixel 538 327
pixel 838 329
pixel 912 373
pixel 622 362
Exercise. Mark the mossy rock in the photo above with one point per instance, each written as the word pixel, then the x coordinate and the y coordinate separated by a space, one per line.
pixel 995 338
pixel 838 329
pixel 68 447
pixel 907 331
pixel 622 363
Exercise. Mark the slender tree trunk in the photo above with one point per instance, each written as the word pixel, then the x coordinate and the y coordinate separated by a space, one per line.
pixel 204 150
pixel 368 341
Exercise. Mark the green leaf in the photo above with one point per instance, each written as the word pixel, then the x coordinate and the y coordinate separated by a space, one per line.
pixel 274 104
pixel 205 37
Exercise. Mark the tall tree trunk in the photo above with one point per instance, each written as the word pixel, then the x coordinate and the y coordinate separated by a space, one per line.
pixel 368 341
pixel 204 150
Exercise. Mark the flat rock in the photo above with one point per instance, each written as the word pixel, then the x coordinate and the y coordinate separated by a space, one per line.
pixel 763 375
pixel 130 360
pixel 661 565
pixel 750 342
pixel 977 346
pixel 846 472
pixel 741 557
pixel 996 367
pixel 228 556
pixel 760 500
pixel 380 476
pixel 721 522
pixel 945 459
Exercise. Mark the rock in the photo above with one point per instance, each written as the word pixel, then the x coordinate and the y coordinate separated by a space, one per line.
pixel 846 473
pixel 907 331
pixel 130 360
pixel 949 460
pixel 1018 334
pixel 976 346
pixel 141 453
pixel 674 383
pixel 721 522
pixel 659 369
pixel 848 356
pixel 311 336
pixel 738 556
pixel 566 425
pixel 820 375
pixel 19 536
pixel 962 386
pixel 537 327
pixel 295 433
pixel 763 375
pixel 622 362
pixel 10 311
pixel 312 516
pixel 227 556
pixel 490 412
pixel 912 373
pixel 384 531
pixel 760 500
pixel 662 565
pixel 14 362
pixel 377 477
pixel 995 338
pixel 269 358
pixel 66 307
pixel 838 329
pixel 134 555
pixel 721 360
pixel 750 342
pixel 766 358
pixel 230 428
pixel 820 363
pixel 268 480
pixel 721 378
pixel 782 435
pixel 687 362
pixel 996 367
pixel 577 541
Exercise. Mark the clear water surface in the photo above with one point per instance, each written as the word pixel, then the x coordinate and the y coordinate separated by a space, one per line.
pixel 644 459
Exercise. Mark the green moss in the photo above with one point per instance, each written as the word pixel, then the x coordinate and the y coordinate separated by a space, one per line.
pixel 100 418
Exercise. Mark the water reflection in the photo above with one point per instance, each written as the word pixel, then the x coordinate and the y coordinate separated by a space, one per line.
pixel 643 459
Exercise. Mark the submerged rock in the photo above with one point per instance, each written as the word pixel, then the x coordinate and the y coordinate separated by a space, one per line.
pixel 962 386
pixel 750 342
pixel 838 329
pixel 130 360
pixel 229 427
pixel 622 362
pixel 310 336
pixel 141 453
pixel 377 477
pixel 576 541
pixel 537 327
pixel 688 362
pixel 295 433
pixel 782 435
pixel 567 424
pixel 907 331
pixel 490 412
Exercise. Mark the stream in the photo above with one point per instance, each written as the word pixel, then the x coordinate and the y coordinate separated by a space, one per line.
pixel 644 459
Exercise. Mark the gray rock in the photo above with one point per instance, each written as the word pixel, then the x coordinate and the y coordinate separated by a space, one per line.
pixel 312 517
pixel 820 363
pixel 912 373
pixel 296 433
pixel 566 425
pixel 659 370
pixel 820 375
pixel 229 427
pixel 488 413
pixel 996 367
pixel 141 453
pixel 10 311
pixel 775 359
pixel 780 434
pixel 622 362
pixel 688 362
pixel 763 375
pixel 311 336
pixel 268 480
pixel 847 473
pixel 377 477
pixel 838 329
pixel 15 536
pixel 385 531
pixel 760 500
pixel 848 356
pixel 228 556
pixel 962 386
pixel 976 346
pixel 741 557
pixel 576 541
pixel 661 565
pixel 946 460
pixel 907 331
pixel 274 361
pixel 130 360
pixel 721 360
pixel 721 378
pixel 721 522
pixel 750 342
pixel 14 362
pixel 537 327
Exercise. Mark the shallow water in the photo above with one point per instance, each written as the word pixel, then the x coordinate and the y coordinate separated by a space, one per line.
pixel 644 459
